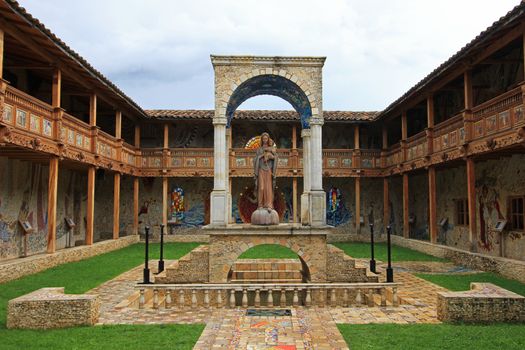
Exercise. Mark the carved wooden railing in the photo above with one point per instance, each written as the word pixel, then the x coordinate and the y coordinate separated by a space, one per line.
pixel 393 155
pixel 450 133
pixel 417 146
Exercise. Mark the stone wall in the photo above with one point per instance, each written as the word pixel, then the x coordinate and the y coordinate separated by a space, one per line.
pixel 484 303
pixel 50 308
pixel 510 268
pixel 13 269
pixel 418 205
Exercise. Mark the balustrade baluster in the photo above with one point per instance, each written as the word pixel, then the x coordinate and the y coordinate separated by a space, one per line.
pixel 270 297
pixel 345 297
pixel 232 298
pixel 359 297
pixel 370 297
pixel 295 300
pixel 395 300
pixel 308 298
pixel 383 297
pixel 167 303
pixel 181 298
pixel 333 301
pixel 206 298
pixel 257 301
pixel 155 298
pixel 193 298
pixel 219 298
pixel 244 297
pixel 142 299
pixel 283 298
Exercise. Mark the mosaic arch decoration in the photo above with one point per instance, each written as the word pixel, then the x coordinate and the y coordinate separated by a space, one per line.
pixel 275 85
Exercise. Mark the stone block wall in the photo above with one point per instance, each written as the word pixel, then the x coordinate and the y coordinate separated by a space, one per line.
pixel 484 303
pixel 50 308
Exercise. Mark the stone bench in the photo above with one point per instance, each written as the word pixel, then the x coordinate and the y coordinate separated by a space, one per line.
pixel 50 308
pixel 484 302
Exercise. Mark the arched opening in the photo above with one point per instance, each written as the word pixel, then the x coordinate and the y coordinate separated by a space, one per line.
pixel 275 85
pixel 269 263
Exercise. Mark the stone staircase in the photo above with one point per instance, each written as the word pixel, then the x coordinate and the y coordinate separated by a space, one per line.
pixel 267 271
pixel 191 268
pixel 342 268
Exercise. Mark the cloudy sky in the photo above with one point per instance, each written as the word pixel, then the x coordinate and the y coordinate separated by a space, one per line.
pixel 157 51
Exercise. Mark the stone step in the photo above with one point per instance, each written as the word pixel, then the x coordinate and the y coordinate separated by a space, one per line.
pixel 267 264
pixel 276 281
pixel 261 275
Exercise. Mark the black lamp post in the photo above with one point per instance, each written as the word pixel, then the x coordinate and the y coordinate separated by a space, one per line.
pixel 389 271
pixel 161 261
pixel 146 258
pixel 372 259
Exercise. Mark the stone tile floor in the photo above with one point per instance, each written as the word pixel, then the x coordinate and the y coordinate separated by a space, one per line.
pixel 312 328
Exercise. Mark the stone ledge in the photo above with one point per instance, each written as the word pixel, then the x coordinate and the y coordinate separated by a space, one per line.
pixel 483 303
pixel 50 308
pixel 16 268
pixel 510 268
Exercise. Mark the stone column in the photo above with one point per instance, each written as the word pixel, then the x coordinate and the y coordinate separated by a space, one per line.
pixel 305 197
pixel 229 217
pixel 219 195
pixel 317 194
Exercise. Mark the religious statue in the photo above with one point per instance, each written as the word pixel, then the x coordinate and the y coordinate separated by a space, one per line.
pixel 265 171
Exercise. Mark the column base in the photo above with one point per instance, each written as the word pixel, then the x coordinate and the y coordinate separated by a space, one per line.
pixel 317 206
pixel 219 208
pixel 305 209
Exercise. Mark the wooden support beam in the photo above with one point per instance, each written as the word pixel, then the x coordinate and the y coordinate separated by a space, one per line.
pixel 52 205
pixel 356 137
pixel 136 206
pixel 165 201
pixel 404 129
pixel 467 81
pixel 294 136
pixel 56 89
pixel 358 205
pixel 1 53
pixel 137 135
pixel 432 217
pixel 93 109
pixel 118 125
pixel 430 111
pixel 116 206
pixel 166 135
pixel 406 224
pixel 385 137
pixel 386 204
pixel 471 199
pixel 90 210
pixel 294 200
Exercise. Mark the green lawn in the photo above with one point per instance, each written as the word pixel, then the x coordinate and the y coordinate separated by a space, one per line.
pixel 362 251
pixel 462 282
pixel 269 251
pixel 433 336
pixel 81 276
pixel 129 337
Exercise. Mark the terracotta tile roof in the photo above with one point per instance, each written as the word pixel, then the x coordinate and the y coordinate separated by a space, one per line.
pixel 512 17
pixel 64 48
pixel 259 115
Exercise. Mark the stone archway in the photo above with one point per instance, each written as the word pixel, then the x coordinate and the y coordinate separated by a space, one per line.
pixel 298 80
pixel 226 247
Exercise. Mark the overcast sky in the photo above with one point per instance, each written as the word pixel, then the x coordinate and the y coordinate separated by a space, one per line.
pixel 158 51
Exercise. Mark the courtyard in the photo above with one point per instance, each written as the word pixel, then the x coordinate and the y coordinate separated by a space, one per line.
pixel 411 326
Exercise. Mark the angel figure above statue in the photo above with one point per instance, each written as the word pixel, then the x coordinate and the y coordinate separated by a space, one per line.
pixel 265 171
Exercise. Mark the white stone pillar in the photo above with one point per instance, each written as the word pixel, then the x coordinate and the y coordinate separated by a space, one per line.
pixel 317 194
pixel 219 195
pixel 229 217
pixel 305 207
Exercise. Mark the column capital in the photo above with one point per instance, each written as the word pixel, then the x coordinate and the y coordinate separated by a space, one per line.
pixel 220 121
pixel 316 121
pixel 306 133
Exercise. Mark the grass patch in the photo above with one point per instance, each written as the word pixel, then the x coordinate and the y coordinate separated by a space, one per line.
pixel 269 251
pixel 462 282
pixel 433 336
pixel 129 337
pixel 81 276
pixel 361 250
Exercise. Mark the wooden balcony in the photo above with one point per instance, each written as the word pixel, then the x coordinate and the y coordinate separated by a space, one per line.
pixel 30 124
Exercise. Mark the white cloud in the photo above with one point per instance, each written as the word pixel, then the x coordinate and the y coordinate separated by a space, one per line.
pixel 158 51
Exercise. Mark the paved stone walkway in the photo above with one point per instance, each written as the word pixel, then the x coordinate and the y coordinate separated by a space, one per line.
pixel 312 328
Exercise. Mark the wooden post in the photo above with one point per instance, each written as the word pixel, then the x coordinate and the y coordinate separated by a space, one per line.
pixel 56 89
pixel 358 205
pixel 471 198
pixel 165 201
pixel 386 204
pixel 385 137
pixel 467 82
pixel 404 127
pixel 90 210
pixel 52 205
pixel 118 125
pixel 406 225
pixel 1 53
pixel 136 206
pixel 432 204
pixel 93 109
pixel 356 137
pixel 116 206
pixel 137 135
pixel 166 136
